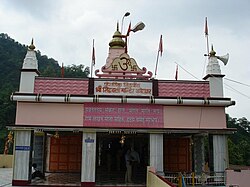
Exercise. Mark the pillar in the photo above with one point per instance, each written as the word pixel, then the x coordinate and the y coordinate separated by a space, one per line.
pixel 38 150
pixel 220 153
pixel 88 159
pixel 156 152
pixel 22 158
pixel 199 154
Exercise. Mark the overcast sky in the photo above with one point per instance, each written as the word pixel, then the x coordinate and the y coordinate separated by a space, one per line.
pixel 64 30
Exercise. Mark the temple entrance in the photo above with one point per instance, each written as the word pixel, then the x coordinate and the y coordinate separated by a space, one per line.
pixel 110 157
pixel 65 153
pixel 177 154
pixel 58 157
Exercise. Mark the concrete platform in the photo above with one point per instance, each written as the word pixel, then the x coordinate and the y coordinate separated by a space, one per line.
pixel 5 177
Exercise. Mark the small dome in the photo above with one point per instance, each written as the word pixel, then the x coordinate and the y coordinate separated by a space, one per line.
pixel 117 41
pixel 32 46
pixel 212 52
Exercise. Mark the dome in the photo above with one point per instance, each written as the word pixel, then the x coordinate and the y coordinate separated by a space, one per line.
pixel 117 41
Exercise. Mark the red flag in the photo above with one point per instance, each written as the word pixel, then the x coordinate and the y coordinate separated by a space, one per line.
pixel 160 46
pixel 93 54
pixel 129 29
pixel 62 71
pixel 206 28
pixel 176 73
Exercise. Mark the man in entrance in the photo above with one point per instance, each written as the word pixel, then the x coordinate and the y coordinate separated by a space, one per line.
pixel 135 163
pixel 128 161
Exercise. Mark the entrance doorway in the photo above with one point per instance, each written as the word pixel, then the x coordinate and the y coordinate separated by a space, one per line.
pixel 59 158
pixel 177 153
pixel 65 153
pixel 110 157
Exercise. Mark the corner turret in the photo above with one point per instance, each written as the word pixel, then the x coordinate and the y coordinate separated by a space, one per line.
pixel 29 70
pixel 213 66
pixel 214 76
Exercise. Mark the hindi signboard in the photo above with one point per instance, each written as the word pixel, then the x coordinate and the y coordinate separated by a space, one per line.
pixel 122 88
pixel 123 115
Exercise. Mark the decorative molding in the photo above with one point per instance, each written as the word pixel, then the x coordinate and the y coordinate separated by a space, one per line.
pixel 124 67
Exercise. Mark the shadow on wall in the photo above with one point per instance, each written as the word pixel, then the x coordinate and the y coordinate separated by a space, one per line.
pixel 6 161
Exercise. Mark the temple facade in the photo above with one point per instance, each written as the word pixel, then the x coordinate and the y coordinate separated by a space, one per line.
pixel 86 125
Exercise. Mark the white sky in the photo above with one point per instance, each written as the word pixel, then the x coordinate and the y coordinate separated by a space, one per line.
pixel 64 30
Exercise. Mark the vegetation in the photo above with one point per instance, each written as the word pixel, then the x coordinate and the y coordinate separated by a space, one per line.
pixel 239 142
pixel 12 55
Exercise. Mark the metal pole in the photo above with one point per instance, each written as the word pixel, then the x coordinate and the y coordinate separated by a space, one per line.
pixel 93 58
pixel 207 46
pixel 156 65
pixel 193 175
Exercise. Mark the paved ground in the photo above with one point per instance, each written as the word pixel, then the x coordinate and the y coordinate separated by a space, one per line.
pixel 5 177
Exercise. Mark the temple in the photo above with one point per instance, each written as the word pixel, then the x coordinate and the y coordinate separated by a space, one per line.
pixel 85 126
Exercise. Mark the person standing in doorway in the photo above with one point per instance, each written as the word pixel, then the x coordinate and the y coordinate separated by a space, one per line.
pixel 128 161
pixel 135 163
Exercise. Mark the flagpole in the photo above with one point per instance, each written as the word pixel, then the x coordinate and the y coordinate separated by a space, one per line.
pixel 159 50
pixel 206 35
pixel 93 56
pixel 157 60
pixel 176 73
pixel 62 71
pixel 207 46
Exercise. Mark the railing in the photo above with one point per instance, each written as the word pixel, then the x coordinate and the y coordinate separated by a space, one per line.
pixel 212 178
pixel 155 180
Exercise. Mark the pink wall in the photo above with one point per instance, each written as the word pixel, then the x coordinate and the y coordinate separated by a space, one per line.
pixel 55 114
pixel 240 178
pixel 49 114
pixel 194 117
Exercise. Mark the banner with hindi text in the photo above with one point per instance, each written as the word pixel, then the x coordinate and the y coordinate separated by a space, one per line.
pixel 122 88
pixel 123 115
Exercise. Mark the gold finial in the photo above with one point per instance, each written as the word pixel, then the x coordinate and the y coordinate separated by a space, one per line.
pixel 117 41
pixel 212 52
pixel 117 26
pixel 32 47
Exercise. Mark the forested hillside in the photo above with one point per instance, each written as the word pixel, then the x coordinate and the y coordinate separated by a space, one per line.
pixel 12 55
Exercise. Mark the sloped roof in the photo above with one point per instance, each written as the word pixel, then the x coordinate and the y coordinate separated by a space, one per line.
pixel 61 86
pixel 183 88
pixel 80 87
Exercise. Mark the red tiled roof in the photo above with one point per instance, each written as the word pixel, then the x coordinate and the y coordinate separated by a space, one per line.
pixel 61 86
pixel 80 87
pixel 184 88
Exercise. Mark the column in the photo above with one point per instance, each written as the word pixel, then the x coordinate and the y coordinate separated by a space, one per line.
pixel 220 153
pixel 156 152
pixel 22 158
pixel 88 159
pixel 38 150
pixel 199 154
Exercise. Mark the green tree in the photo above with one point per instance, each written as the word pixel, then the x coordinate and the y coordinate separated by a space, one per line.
pixel 239 141
pixel 76 71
